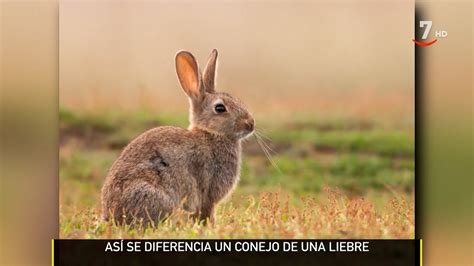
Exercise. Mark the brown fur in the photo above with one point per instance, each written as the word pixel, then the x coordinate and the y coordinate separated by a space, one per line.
pixel 170 167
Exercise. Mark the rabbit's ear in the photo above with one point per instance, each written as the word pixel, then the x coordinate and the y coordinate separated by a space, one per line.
pixel 188 74
pixel 210 72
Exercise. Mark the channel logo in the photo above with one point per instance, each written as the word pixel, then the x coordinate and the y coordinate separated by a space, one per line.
pixel 426 26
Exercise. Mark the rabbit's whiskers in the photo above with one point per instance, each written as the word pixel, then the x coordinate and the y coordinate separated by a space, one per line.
pixel 266 149
pixel 267 146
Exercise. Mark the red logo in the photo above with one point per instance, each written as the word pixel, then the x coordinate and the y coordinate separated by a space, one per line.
pixel 424 43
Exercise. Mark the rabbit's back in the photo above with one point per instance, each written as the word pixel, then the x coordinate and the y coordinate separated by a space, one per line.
pixel 153 169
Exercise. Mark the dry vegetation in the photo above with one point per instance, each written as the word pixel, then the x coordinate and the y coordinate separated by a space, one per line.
pixel 270 215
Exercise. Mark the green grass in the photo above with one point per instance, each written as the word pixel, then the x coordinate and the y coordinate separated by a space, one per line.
pixel 382 142
pixel 351 172
pixel 359 158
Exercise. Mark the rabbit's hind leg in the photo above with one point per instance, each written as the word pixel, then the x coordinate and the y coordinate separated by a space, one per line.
pixel 145 203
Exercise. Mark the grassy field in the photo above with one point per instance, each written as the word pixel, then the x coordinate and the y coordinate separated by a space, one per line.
pixel 334 178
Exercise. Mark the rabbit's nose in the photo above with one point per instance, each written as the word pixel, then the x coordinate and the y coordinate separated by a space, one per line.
pixel 249 125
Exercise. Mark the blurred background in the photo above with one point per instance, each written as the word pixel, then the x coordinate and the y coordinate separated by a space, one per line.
pixel 316 57
pixel 330 84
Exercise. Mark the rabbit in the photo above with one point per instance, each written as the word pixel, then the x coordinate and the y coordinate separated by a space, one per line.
pixel 169 167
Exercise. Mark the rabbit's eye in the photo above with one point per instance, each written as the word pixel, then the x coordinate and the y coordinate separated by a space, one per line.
pixel 220 108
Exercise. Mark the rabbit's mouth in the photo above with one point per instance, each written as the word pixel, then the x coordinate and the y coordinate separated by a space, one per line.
pixel 245 134
pixel 244 127
pixel 247 128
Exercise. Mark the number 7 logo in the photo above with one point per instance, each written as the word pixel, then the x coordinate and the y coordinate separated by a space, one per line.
pixel 427 26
